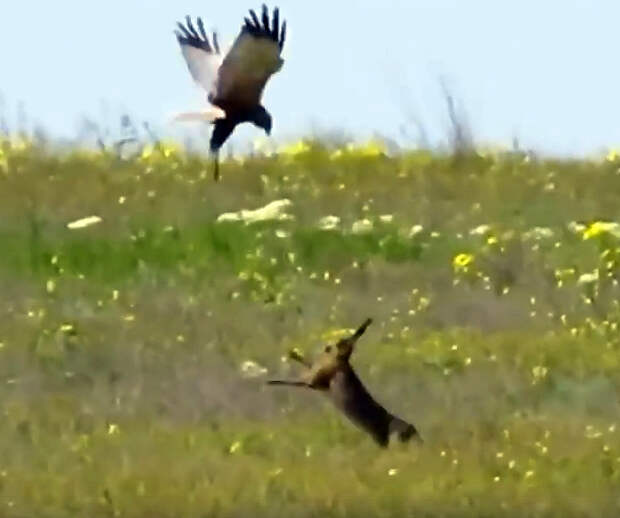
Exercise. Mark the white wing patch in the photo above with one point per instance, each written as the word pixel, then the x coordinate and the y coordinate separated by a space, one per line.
pixel 202 65
pixel 210 115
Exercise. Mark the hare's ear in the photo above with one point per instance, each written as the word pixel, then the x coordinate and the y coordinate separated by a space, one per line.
pixel 361 329
pixel 346 345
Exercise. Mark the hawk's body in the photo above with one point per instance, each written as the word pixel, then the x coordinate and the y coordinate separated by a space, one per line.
pixel 234 82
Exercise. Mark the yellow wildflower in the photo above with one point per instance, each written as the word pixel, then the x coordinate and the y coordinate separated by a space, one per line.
pixel 235 447
pixel 598 228
pixel 372 148
pixel 462 261
pixel 169 148
pixel 297 148
pixel 147 152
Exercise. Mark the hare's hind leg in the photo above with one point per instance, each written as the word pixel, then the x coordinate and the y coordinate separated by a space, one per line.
pixel 404 430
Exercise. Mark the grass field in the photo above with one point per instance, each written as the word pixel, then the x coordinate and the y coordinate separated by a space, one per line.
pixel 134 347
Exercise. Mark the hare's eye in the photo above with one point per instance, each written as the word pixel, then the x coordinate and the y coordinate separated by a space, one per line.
pixel 328 348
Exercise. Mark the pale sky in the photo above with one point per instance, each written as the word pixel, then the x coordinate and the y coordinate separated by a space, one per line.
pixel 546 71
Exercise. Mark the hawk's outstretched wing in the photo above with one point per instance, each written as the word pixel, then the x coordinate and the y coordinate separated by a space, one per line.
pixel 202 56
pixel 253 58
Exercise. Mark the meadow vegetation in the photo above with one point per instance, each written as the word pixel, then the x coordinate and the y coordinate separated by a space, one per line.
pixel 144 306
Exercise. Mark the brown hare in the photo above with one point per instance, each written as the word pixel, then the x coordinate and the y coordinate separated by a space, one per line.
pixel 332 373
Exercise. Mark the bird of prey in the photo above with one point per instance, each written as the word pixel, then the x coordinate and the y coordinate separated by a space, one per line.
pixel 234 81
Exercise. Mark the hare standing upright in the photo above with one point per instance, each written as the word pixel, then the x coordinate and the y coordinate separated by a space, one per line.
pixel 332 373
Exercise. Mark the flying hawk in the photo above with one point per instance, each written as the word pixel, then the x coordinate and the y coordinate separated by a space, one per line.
pixel 234 81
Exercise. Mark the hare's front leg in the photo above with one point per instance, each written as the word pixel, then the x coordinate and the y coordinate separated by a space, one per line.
pixel 299 358
pixel 295 355
pixel 290 383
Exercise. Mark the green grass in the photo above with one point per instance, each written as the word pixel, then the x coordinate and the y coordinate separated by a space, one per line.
pixel 122 344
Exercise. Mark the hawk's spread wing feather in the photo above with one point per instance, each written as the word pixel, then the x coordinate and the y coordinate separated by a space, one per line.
pixel 253 58
pixel 202 56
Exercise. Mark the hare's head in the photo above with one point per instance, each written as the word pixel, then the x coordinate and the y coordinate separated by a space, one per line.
pixel 344 347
